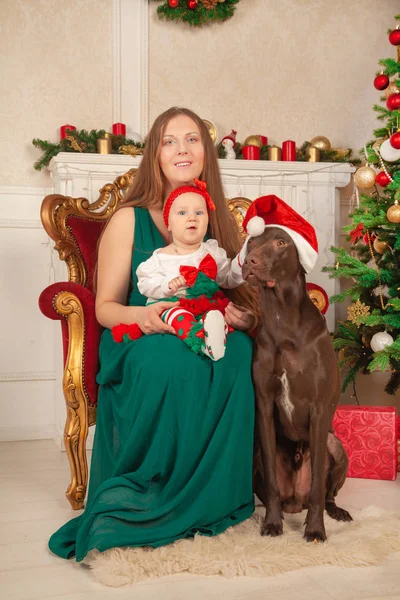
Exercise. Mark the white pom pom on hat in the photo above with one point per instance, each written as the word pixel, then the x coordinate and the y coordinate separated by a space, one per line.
pixel 271 211
pixel 255 226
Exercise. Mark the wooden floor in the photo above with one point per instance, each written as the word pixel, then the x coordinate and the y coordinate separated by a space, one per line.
pixel 33 479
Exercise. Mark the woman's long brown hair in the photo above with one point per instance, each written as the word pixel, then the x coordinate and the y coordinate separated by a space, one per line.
pixel 148 188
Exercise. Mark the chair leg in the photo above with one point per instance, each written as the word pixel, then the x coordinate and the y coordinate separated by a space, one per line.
pixel 75 435
pixel 77 422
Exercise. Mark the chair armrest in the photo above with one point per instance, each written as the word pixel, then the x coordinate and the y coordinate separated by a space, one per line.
pixel 74 306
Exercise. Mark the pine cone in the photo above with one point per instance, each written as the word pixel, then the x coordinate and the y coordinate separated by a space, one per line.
pixel 209 4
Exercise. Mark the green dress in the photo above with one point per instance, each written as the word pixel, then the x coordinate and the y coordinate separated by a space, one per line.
pixel 172 453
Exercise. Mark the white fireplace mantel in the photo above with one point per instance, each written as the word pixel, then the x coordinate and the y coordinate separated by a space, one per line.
pixel 310 188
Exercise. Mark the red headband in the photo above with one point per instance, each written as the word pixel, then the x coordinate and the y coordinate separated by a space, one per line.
pixel 200 187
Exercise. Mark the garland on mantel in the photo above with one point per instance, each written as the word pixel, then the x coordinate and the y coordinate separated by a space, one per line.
pixel 335 155
pixel 196 13
pixel 84 141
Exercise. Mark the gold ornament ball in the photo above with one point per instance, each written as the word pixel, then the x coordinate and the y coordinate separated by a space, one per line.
pixel 364 177
pixel 379 246
pixel 253 140
pixel 391 89
pixel 321 142
pixel 393 213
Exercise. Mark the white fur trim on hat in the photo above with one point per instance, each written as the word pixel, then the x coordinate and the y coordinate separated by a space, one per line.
pixel 255 226
pixel 307 255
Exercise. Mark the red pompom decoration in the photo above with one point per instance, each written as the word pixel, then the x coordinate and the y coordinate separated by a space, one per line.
pixel 173 3
pixel 394 37
pixel 381 82
pixel 382 179
pixel 395 140
pixel 192 4
pixel 393 102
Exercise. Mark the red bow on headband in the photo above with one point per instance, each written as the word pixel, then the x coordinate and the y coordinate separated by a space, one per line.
pixel 208 266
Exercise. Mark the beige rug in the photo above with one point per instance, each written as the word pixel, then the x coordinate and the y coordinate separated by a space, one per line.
pixel 241 550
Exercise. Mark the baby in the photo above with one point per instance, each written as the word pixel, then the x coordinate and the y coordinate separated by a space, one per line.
pixel 191 270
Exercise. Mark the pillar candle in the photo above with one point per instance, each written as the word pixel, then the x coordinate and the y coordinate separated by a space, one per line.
pixel 274 153
pixel 104 146
pixel 289 150
pixel 119 129
pixel 264 140
pixel 64 131
pixel 313 154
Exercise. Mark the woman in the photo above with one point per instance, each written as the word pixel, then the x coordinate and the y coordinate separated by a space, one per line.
pixel 172 453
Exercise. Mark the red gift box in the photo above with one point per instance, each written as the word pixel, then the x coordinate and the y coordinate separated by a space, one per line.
pixel 369 436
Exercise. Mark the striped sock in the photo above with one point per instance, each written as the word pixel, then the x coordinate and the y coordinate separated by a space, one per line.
pixel 180 319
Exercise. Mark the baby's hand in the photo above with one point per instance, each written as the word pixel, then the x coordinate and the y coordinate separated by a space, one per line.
pixel 177 283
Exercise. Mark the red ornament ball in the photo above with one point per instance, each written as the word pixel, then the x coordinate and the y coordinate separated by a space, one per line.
pixel 394 37
pixel 372 237
pixel 381 82
pixel 192 4
pixel 382 179
pixel 174 4
pixel 393 102
pixel 395 140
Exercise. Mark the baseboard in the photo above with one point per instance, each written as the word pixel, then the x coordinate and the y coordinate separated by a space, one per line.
pixel 19 434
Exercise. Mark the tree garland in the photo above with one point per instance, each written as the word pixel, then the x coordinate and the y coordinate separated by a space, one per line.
pixel 196 13
pixel 84 141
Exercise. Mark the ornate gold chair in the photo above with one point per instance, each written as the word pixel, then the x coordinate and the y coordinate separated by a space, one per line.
pixel 75 226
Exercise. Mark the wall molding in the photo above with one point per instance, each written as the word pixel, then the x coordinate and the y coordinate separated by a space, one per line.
pixel 20 224
pixel 24 190
pixel 8 377
pixel 130 64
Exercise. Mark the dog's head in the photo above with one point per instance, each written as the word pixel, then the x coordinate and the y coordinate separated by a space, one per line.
pixel 271 258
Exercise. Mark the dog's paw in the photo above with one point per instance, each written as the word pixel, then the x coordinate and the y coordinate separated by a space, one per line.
pixel 315 536
pixel 272 529
pixel 337 513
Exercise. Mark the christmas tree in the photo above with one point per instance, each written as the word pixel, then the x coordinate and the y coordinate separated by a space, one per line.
pixel 369 339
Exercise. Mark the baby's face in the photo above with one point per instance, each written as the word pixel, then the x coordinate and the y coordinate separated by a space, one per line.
pixel 188 218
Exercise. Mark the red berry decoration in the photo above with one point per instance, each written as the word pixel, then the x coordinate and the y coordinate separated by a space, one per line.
pixel 393 102
pixel 192 4
pixel 381 82
pixel 382 179
pixel 174 4
pixel 394 37
pixel 395 140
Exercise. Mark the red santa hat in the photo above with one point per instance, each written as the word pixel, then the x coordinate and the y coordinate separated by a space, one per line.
pixel 199 187
pixel 271 211
pixel 231 136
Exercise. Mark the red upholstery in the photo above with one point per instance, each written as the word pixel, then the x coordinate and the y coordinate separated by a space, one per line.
pixel 86 233
pixel 92 329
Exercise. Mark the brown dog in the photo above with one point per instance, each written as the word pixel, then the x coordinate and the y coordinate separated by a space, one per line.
pixel 299 463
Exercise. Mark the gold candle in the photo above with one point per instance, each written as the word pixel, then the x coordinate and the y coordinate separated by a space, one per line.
pixel 314 154
pixel 274 153
pixel 104 146
pixel 108 136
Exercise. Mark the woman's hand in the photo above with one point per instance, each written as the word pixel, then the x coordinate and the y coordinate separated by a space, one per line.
pixel 239 317
pixel 149 319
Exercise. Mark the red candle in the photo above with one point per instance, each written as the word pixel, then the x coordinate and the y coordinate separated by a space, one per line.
pixel 251 152
pixel 289 150
pixel 264 140
pixel 119 129
pixel 64 131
